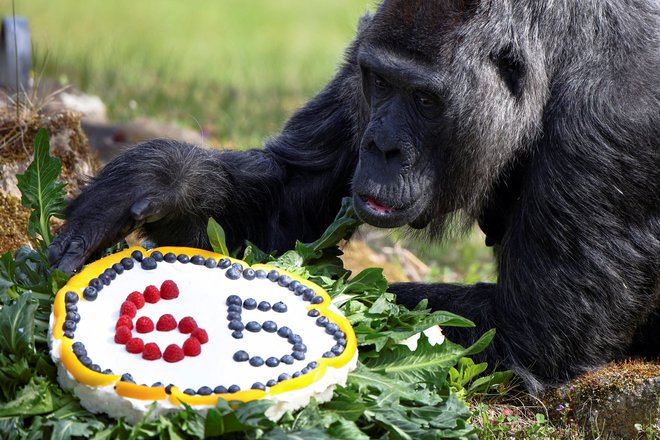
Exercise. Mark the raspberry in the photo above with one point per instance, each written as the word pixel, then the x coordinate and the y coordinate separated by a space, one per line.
pixel 135 345
pixel 169 290
pixel 144 325
pixel 201 335
pixel 173 353
pixel 136 298
pixel 125 321
pixel 187 325
pixel 128 308
pixel 122 334
pixel 192 347
pixel 151 294
pixel 151 352
pixel 166 323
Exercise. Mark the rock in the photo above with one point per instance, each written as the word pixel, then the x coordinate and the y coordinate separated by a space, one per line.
pixel 612 400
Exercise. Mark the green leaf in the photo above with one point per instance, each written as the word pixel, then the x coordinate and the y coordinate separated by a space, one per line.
pixel 40 190
pixel 346 430
pixel 7 277
pixel 34 398
pixel 217 237
pixel 17 326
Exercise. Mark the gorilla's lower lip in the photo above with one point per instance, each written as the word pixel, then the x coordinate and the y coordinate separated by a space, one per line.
pixel 380 214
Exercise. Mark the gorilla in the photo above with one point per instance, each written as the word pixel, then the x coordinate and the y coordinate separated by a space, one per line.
pixel 536 119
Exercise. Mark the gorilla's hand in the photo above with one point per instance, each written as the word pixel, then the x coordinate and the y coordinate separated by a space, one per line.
pixel 154 182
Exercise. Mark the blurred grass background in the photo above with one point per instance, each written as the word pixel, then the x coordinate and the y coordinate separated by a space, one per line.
pixel 232 69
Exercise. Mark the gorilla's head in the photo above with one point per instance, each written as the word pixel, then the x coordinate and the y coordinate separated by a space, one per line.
pixel 452 96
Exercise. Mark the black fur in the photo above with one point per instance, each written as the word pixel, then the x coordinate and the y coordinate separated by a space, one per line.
pixel 538 119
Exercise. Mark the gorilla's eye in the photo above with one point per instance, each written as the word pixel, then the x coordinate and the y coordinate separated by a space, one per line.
pixel 428 105
pixel 425 100
pixel 380 83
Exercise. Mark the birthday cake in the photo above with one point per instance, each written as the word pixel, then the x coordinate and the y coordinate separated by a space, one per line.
pixel 142 331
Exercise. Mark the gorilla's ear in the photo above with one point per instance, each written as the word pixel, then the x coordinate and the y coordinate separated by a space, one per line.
pixel 511 66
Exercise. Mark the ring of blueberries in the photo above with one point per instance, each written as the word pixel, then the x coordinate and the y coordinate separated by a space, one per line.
pixel 234 307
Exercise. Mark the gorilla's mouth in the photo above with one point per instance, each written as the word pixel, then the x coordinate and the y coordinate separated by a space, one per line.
pixel 381 214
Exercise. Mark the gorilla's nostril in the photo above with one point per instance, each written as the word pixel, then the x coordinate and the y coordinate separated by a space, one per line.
pixel 391 155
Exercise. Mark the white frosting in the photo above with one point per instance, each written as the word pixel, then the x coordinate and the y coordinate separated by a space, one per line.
pixel 203 296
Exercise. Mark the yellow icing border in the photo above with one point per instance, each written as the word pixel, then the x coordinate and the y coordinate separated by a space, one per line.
pixel 86 376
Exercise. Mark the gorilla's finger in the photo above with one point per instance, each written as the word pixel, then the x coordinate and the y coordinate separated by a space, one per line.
pixel 146 210
pixel 74 256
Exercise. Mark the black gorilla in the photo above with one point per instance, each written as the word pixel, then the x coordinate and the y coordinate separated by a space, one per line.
pixel 537 119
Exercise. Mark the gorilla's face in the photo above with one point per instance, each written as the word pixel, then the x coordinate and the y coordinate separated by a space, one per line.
pixel 396 178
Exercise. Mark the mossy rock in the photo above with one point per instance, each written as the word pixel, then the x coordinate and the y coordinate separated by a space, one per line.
pixel 67 142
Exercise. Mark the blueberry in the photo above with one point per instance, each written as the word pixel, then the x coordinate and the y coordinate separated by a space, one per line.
pixel 331 328
pixel 271 383
pixel 95 367
pixel 107 371
pixel 168 389
pixel 127 263
pixel 272 362
pixel 189 391
pixel 170 257
pixel 204 391
pixel 234 389
pixel 280 307
pixel 157 385
pixel 68 334
pixel 293 285
pixel 90 293
pixel 287 359
pixel 183 258
pixel 273 275
pixel 157 255
pixel 85 360
pixel 224 263
pixel 237 266
pixel 219 390
pixel 284 281
pixel 305 370
pixel 313 313
pixel 233 315
pixel 137 255
pixel 328 354
pixel 284 376
pixel 294 339
pixel 308 294
pixel 197 260
pixel 96 283
pixel 148 263
pixel 322 321
pixel 300 347
pixel 237 334
pixel 253 326
pixel 261 274
pixel 296 374
pixel 248 274
pixel 258 386
pixel 71 308
pixel 117 267
pixel 300 289
pixel 317 300
pixel 111 273
pixel 339 335
pixel 313 364
pixel 337 349
pixel 126 377
pixel 73 316
pixel 71 297
pixel 284 331
pixel 269 326
pixel 233 274
pixel 69 326
pixel 241 356
pixel 341 341
pixel 264 306
pixel 256 361
pixel 236 325
pixel 79 349
pixel 105 279
pixel 234 300
pixel 211 263
pixel 250 304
